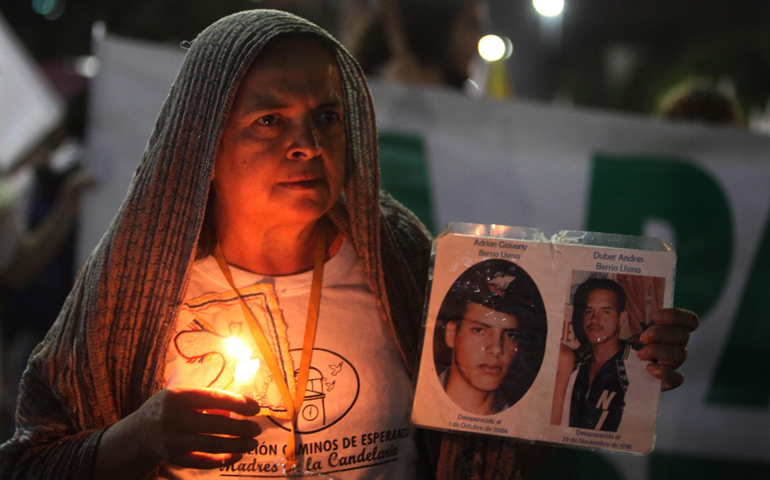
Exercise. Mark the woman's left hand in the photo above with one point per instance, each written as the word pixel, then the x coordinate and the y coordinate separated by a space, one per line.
pixel 666 344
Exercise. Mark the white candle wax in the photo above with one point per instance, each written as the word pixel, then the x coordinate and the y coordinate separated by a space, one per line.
pixel 245 367
pixel 244 372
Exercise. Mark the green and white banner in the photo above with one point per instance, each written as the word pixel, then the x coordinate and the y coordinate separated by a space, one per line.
pixel 452 158
pixel 706 189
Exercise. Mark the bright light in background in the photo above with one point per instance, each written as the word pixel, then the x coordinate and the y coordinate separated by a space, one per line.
pixel 492 48
pixel 43 7
pixel 548 8
pixel 87 65
pixel 50 9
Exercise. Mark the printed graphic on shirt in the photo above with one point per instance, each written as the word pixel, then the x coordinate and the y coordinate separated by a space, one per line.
pixel 332 390
pixel 352 424
pixel 209 361
pixel 202 344
pixel 338 456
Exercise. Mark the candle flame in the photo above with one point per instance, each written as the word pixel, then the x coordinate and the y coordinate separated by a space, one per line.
pixel 238 349
pixel 244 372
pixel 245 367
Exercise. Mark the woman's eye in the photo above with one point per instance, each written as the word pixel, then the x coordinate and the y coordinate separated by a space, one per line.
pixel 267 120
pixel 329 117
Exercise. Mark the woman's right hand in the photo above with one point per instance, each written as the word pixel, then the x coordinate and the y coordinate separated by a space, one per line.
pixel 184 426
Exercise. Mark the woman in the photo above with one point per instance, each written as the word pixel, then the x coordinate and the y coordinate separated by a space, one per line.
pixel 92 402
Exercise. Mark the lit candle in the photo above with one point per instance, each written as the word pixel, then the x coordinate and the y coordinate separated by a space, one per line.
pixel 244 372
pixel 245 367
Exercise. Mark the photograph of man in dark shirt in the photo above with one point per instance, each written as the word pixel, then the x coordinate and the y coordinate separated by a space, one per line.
pixel 601 377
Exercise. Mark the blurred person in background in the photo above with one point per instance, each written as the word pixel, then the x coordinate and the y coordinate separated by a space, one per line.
pixel 422 42
pixel 39 210
pixel 698 99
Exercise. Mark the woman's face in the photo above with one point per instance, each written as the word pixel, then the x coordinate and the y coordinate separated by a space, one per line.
pixel 282 153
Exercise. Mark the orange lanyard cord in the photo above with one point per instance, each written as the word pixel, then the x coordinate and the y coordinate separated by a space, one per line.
pixel 292 406
pixel 313 307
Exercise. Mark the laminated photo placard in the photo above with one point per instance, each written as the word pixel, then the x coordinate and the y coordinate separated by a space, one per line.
pixel 537 339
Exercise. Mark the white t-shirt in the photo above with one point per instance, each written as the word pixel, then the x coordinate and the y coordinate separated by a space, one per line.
pixel 353 423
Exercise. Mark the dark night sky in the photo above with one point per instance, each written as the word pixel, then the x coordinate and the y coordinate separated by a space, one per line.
pixel 658 41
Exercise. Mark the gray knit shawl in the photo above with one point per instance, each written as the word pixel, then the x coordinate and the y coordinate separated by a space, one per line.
pixel 105 355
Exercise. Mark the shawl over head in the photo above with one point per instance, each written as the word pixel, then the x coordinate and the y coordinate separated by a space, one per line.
pixel 142 263
pixel 105 355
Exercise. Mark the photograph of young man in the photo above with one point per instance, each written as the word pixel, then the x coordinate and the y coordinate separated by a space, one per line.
pixel 491 348
pixel 606 365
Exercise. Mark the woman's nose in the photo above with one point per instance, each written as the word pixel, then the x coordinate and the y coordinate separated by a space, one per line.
pixel 304 144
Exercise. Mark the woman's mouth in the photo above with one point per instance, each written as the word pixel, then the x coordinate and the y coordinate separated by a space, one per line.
pixel 302 183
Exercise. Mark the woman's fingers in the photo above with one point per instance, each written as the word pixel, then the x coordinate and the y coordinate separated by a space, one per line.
pixel 669 378
pixel 670 335
pixel 219 425
pixel 175 427
pixel 671 355
pixel 677 317
pixel 211 399
pixel 666 341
